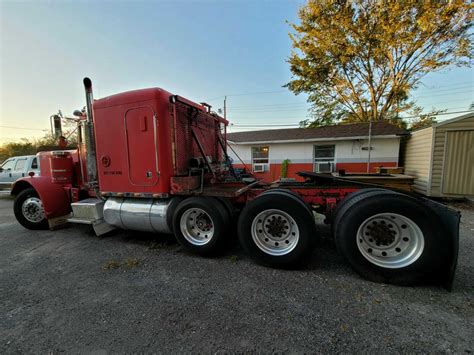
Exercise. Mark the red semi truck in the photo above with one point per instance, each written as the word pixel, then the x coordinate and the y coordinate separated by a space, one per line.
pixel 152 161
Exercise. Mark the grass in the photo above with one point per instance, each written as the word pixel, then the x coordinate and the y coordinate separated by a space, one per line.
pixel 131 263
pixel 233 258
pixel 127 264
pixel 157 245
pixel 111 264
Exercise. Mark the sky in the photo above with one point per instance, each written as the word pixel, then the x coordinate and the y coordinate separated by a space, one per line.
pixel 202 50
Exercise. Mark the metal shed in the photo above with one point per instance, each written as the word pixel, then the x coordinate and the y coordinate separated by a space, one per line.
pixel 441 158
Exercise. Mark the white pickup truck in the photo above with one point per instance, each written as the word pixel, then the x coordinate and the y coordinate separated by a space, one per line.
pixel 16 167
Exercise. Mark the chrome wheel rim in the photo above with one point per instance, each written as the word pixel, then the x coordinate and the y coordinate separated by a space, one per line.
pixel 275 232
pixel 32 209
pixel 197 226
pixel 390 240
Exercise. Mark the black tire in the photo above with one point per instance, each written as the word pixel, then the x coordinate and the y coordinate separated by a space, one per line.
pixel 291 193
pixel 307 235
pixel 229 207
pixel 348 197
pixel 17 209
pixel 432 257
pixel 175 201
pixel 220 223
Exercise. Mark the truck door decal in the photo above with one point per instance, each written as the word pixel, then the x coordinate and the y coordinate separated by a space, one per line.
pixel 141 145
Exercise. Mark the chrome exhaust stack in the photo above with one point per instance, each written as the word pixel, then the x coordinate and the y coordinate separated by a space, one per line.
pixel 91 156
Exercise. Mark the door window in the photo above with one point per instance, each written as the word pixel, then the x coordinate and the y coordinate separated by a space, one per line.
pixel 34 163
pixel 20 165
pixel 8 165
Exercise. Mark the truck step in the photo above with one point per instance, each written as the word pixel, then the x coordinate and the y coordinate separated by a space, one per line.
pixel 88 209
pixel 99 225
pixel 82 220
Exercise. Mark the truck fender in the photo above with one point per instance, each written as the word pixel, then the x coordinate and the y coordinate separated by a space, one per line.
pixel 55 198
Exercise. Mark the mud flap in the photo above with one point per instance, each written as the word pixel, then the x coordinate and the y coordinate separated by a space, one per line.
pixel 450 219
pixel 58 222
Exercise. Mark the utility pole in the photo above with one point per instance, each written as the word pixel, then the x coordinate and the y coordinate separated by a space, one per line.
pixel 370 144
pixel 225 107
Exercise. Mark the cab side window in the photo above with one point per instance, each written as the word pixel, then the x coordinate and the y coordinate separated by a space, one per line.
pixel 8 165
pixel 34 163
pixel 20 165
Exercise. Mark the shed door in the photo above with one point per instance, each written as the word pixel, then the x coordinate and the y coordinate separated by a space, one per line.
pixel 458 174
pixel 141 146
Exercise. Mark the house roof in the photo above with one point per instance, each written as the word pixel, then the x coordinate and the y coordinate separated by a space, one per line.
pixel 455 119
pixel 343 131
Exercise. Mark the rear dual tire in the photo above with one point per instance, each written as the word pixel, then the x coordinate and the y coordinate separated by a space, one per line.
pixel 389 237
pixel 277 230
pixel 201 225
pixel 333 219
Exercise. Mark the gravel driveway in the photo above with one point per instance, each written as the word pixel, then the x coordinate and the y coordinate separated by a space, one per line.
pixel 133 292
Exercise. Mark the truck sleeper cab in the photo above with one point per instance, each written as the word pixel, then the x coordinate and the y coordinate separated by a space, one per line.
pixel 160 165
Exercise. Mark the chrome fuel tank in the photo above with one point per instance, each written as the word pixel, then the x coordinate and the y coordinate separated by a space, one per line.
pixel 147 215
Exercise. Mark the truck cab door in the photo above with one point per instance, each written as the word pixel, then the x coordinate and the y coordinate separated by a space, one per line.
pixel 21 167
pixel 142 153
pixel 6 171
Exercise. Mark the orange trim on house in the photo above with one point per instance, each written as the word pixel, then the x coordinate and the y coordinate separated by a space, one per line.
pixel 293 168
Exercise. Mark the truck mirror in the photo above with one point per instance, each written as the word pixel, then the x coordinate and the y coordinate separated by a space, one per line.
pixel 78 113
pixel 58 132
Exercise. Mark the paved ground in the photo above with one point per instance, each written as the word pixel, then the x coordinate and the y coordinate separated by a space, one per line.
pixel 71 291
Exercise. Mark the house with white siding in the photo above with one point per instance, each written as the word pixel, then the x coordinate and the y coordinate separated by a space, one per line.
pixel 322 149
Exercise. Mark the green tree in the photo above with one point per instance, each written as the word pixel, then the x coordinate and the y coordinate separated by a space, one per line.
pixel 358 60
pixel 423 120
pixel 11 149
pixel 28 146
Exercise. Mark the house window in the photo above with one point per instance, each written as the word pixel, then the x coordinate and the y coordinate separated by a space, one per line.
pixel 324 158
pixel 260 159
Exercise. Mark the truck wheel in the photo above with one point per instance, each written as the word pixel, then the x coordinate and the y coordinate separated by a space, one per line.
pixel 391 238
pixel 341 206
pixel 293 194
pixel 29 210
pixel 276 230
pixel 200 225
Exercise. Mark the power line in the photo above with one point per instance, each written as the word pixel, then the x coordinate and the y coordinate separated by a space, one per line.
pixel 446 94
pixel 30 129
pixel 249 93
pixel 448 86
pixel 444 88
pixel 271 110
pixel 297 124
pixel 290 105
pixel 447 102
pixel 236 117
pixel 283 104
